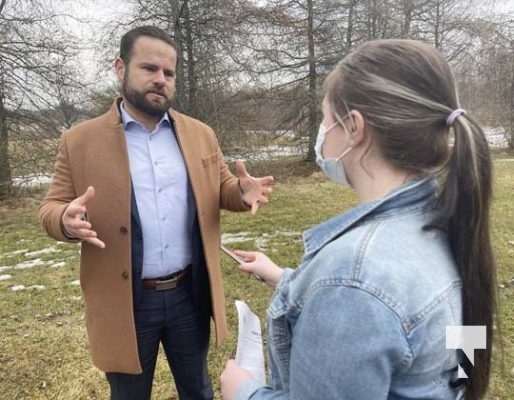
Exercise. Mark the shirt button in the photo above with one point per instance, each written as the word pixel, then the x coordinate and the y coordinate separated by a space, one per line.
pixel 123 229
pixel 125 275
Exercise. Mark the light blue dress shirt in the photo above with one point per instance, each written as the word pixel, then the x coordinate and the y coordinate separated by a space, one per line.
pixel 164 198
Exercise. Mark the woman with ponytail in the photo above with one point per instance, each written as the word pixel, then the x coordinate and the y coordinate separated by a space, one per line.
pixel 364 316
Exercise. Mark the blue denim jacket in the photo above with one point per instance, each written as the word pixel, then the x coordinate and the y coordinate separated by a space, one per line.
pixel 364 316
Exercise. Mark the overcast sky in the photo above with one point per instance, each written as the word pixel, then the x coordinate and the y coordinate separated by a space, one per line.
pixel 93 16
pixel 97 13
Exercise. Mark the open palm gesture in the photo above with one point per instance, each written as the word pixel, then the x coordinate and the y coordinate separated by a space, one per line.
pixel 256 191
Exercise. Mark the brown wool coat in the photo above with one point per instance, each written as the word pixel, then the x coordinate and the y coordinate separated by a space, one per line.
pixel 94 153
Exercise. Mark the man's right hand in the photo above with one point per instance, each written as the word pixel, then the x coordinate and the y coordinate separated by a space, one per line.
pixel 74 222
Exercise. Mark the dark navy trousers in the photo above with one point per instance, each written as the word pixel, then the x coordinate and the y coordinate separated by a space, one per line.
pixel 171 318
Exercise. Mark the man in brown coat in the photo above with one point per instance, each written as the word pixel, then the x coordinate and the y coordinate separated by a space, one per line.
pixel 141 187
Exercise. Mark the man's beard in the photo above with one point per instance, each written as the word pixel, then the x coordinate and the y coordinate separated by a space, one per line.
pixel 139 101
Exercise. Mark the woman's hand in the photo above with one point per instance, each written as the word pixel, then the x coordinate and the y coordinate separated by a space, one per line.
pixel 259 264
pixel 231 378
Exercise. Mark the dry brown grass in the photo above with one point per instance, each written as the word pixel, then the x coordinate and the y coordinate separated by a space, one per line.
pixel 43 345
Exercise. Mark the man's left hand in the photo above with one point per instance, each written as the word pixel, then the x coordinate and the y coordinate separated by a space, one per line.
pixel 256 191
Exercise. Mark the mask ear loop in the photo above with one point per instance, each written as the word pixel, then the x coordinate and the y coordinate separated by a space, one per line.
pixel 352 128
pixel 350 131
pixel 331 127
pixel 344 153
pixel 348 115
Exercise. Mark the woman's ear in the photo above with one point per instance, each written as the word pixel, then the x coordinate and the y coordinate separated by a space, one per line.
pixel 357 128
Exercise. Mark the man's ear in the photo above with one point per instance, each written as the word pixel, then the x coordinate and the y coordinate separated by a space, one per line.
pixel 119 67
pixel 357 129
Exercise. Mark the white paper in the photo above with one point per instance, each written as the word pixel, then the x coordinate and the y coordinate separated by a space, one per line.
pixel 249 353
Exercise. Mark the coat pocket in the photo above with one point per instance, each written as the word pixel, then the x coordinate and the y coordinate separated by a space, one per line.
pixel 210 159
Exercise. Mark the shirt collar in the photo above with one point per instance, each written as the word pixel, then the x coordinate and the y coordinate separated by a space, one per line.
pixel 128 120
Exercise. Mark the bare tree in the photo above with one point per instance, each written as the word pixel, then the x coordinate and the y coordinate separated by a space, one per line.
pixel 202 29
pixel 488 81
pixel 288 46
pixel 251 66
pixel 32 47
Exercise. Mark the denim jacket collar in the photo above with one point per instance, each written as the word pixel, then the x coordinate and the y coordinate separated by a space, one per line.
pixel 411 194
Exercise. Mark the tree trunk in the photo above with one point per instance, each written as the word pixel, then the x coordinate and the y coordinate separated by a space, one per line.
pixel 349 29
pixel 437 27
pixel 5 170
pixel 191 72
pixel 313 100
pixel 407 18
pixel 176 27
pixel 372 19
pixel 510 134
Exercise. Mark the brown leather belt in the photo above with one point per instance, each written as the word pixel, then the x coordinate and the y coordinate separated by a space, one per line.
pixel 167 282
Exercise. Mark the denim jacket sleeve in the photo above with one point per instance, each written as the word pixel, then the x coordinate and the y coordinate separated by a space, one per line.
pixel 347 344
pixel 252 389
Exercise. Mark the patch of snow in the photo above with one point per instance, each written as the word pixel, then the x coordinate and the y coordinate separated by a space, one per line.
pixel 17 288
pixel 496 137
pixel 282 233
pixel 227 238
pixel 36 287
pixel 58 265
pixel 31 180
pixel 30 264
pixel 13 253
pixel 5 277
pixel 42 251
pixel 261 242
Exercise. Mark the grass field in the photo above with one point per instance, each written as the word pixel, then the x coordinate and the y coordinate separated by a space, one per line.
pixel 43 344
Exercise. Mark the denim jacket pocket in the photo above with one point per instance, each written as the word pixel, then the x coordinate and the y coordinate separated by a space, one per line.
pixel 279 342
pixel 278 322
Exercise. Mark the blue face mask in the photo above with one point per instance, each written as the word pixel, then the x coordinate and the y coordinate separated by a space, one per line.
pixel 332 167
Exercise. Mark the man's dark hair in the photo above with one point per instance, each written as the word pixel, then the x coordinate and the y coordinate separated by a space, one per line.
pixel 129 38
